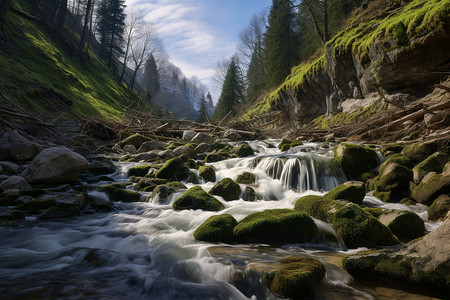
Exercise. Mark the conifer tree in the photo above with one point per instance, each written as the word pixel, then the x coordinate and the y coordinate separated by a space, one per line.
pixel 232 91
pixel 151 78
pixel 202 110
pixel 281 46
pixel 110 26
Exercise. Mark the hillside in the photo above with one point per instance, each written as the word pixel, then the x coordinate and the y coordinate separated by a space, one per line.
pixel 400 49
pixel 44 76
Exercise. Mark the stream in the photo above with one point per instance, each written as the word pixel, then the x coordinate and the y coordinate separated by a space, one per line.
pixel 146 250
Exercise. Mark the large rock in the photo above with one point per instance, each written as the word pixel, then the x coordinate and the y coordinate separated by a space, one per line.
pixel 355 160
pixel 227 189
pixel 188 135
pixel 353 191
pixel 434 163
pixel 15 147
pixel 395 179
pixel 9 167
pixel 56 165
pixel 207 173
pixel 201 137
pixel 173 169
pixel 56 212
pixel 161 193
pixel 421 267
pixel 249 194
pixel 419 152
pixel 188 151
pixel 135 140
pixel 399 159
pixel 246 178
pixel 102 166
pixel 439 208
pixel 204 148
pixel 117 194
pixel 148 184
pixel 197 198
pixel 297 278
pixel 356 227
pixel 8 215
pixel 244 150
pixel 432 186
pixel 14 182
pixel 139 171
pixel 232 135
pixel 216 229
pixel 149 146
pixel 405 225
pixel 275 226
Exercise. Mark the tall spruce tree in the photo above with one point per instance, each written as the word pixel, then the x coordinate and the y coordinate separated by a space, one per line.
pixel 232 91
pixel 110 26
pixel 151 78
pixel 202 110
pixel 281 42
pixel 255 76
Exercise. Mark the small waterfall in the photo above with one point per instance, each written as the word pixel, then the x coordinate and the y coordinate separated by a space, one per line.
pixel 303 173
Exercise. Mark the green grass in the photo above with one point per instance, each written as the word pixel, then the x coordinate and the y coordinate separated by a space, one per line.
pixel 43 75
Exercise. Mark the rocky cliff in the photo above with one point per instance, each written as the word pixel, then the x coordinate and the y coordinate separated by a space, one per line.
pixel 400 49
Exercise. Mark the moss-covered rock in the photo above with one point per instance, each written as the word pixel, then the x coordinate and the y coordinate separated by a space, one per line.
pixel 162 192
pixel 395 178
pixel 148 184
pixel 434 163
pixel 118 194
pixel 355 160
pixel 405 225
pixel 246 178
pixel 102 166
pixel 249 194
pixel 136 140
pixel 37 205
pixel 227 189
pixel 244 150
pixel 207 173
pixel 356 227
pixel 353 191
pixel 197 198
pixel 386 150
pixel 297 278
pixel 139 171
pixel 420 151
pixel 439 208
pixel 56 212
pixel 216 229
pixel 9 215
pixel 399 159
pixel 215 157
pixel 432 186
pixel 397 271
pixel 177 185
pixel 173 169
pixel 275 226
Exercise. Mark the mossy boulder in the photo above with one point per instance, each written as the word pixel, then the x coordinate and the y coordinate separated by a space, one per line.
pixel 432 186
pixel 397 271
pixel 405 225
pixel 186 151
pixel 246 178
pixel 217 229
pixel 355 160
pixel 353 191
pixel 197 198
pixel 173 169
pixel 208 173
pixel 177 185
pixel 244 150
pixel 136 140
pixel 394 178
pixel 297 278
pixel 37 205
pixel 439 208
pixel 249 194
pixel 9 215
pixel 285 145
pixel 420 151
pixel 118 194
pixel 227 189
pixel 102 166
pixel 56 212
pixel 356 227
pixel 215 157
pixel 284 142
pixel 275 226
pixel 387 150
pixel 139 171
pixel 434 163
pixel 399 159
pixel 148 184
pixel 162 192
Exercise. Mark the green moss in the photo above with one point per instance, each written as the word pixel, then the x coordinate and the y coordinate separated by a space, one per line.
pixel 244 150
pixel 177 185
pixel 427 192
pixel 216 229
pixel 197 198
pixel 407 226
pixel 395 178
pixel 117 194
pixel 399 159
pixel 173 169
pixel 215 157
pixel 148 184
pixel 163 192
pixel 316 206
pixel 355 159
pixel 386 149
pixel 433 163
pixel 419 152
pixel 439 208
pixel 246 178
pixel 36 205
pixel 350 191
pixel 139 171
pixel 275 226
pixel 207 173
pixel 374 211
pixel 227 189
pixel 297 278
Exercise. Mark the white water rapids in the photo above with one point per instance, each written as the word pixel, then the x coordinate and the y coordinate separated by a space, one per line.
pixel 146 250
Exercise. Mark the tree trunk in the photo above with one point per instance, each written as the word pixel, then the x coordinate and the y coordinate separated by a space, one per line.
pixel 61 15
pixel 4 7
pixel 133 79
pixel 315 23
pixel 124 66
pixel 85 27
pixel 326 34
pixel 91 21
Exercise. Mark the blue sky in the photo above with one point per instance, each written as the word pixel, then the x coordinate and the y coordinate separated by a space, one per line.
pixel 199 33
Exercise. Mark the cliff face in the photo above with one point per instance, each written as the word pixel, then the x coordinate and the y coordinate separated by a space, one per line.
pixel 401 53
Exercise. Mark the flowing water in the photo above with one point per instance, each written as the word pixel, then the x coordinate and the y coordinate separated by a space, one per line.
pixel 146 250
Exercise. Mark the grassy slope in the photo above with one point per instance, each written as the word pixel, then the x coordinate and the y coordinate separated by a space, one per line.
pixel 382 20
pixel 42 77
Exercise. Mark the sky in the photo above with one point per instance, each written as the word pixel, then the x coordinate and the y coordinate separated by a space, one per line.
pixel 199 33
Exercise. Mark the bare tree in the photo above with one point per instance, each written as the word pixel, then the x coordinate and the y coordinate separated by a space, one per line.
pixel 146 42
pixel 320 19
pixel 251 37
pixel 132 25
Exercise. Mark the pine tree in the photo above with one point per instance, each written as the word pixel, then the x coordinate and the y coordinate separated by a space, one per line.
pixel 281 46
pixel 110 26
pixel 202 110
pixel 151 78
pixel 232 91
pixel 255 76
